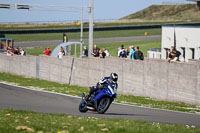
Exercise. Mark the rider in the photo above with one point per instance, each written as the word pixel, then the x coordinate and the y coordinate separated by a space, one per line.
pixel 110 81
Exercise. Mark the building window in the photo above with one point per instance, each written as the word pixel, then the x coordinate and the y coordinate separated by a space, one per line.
pixel 183 52
pixel 192 52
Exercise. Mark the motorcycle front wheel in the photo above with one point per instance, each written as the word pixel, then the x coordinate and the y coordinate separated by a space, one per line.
pixel 83 107
pixel 103 105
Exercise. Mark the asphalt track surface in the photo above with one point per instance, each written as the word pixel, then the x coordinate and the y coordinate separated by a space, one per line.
pixel 99 40
pixel 19 98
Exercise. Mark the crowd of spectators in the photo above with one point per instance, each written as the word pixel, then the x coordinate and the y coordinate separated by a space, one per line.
pixel 97 52
pixel 133 53
pixel 15 51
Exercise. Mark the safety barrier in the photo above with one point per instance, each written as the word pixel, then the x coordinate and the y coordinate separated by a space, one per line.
pixel 152 77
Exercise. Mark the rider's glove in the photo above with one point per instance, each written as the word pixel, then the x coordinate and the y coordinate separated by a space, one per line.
pixel 103 81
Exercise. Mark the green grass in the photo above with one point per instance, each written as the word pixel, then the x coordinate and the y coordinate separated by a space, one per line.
pixel 23 122
pixel 43 84
pixel 111 47
pixel 77 91
pixel 144 45
pixel 36 51
pixel 97 34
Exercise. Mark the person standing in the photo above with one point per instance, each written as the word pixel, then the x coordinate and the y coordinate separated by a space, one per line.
pixel 122 52
pixel 138 54
pixel 131 53
pixel 65 38
pixel 96 51
pixel 47 51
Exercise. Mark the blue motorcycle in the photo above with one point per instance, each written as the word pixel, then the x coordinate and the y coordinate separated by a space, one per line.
pixel 99 101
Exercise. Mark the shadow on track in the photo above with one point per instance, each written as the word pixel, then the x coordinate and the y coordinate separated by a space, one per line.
pixel 118 114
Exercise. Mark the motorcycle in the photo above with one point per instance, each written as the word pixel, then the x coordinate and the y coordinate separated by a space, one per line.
pixel 100 101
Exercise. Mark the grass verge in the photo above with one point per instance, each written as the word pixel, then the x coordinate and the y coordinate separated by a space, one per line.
pixel 23 122
pixel 77 91
pixel 111 47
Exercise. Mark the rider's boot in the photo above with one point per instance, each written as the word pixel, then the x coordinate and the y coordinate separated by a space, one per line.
pixel 92 89
pixel 87 97
pixel 95 105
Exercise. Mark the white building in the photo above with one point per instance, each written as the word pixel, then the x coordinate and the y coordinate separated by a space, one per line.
pixel 187 41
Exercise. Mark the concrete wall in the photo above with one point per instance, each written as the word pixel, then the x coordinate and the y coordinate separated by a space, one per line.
pixel 152 78
pixel 19 65
pixel 54 69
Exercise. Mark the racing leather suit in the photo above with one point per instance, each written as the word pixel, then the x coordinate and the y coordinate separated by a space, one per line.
pixel 102 84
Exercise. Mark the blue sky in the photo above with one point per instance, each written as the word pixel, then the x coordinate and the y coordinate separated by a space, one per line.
pixel 104 9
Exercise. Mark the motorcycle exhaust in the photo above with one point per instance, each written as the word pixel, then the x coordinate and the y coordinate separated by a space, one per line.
pixel 91 108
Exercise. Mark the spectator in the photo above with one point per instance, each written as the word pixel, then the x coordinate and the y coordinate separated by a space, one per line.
pixel 106 52
pixel 102 54
pixel 169 58
pixel 138 54
pixel 95 51
pixel 176 55
pixel 9 51
pixel 61 53
pixel 47 51
pixel 17 51
pixel 9 48
pixel 122 52
pixel 22 52
pixel 171 54
pixel 65 38
pixel 132 51
pixel 85 52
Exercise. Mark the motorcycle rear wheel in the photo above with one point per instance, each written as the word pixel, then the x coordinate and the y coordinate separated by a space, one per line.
pixel 103 105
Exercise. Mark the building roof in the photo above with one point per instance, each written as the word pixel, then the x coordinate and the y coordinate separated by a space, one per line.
pixel 183 25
